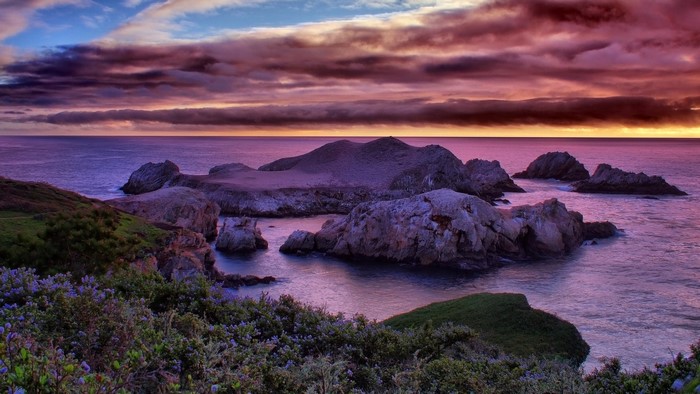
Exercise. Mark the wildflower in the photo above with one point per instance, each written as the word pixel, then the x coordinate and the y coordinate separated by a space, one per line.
pixel 81 380
pixel 3 370
pixel 214 388
pixel 85 367
pixel 2 330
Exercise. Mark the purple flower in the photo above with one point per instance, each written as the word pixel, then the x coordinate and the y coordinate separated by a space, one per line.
pixel 3 370
pixel 81 380
pixel 85 367
pixel 214 388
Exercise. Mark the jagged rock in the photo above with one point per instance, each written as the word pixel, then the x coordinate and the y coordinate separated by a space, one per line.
pixel 598 230
pixel 555 165
pixel 240 235
pixel 186 253
pixel 337 176
pixel 444 227
pixel 150 177
pixel 180 206
pixel 607 179
pixel 299 242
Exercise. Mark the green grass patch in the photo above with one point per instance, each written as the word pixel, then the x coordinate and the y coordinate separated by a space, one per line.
pixel 505 320
pixel 49 228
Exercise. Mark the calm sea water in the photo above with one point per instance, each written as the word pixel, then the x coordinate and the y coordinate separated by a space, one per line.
pixel 636 297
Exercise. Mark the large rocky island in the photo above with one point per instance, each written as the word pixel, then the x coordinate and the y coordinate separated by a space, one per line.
pixel 446 228
pixel 332 179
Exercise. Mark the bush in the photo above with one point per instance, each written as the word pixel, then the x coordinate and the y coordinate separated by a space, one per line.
pixel 139 333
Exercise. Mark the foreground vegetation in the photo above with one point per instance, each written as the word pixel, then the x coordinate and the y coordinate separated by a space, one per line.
pixel 135 332
pixel 506 320
pixel 121 330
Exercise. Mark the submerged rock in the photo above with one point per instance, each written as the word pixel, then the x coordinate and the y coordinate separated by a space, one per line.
pixel 555 165
pixel 240 235
pixel 444 227
pixel 150 177
pixel 236 280
pixel 179 206
pixel 599 230
pixel 608 179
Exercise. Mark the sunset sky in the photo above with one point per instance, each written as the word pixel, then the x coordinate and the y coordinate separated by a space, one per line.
pixel 567 68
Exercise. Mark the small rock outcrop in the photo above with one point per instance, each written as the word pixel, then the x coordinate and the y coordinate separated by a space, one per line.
pixel 150 177
pixel 299 242
pixel 555 165
pixel 444 227
pixel 179 206
pixel 610 180
pixel 240 235
pixel 489 178
pixel 235 280
pixel 185 253
pixel 598 230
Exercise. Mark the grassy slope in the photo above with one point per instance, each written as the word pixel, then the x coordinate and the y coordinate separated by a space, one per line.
pixel 25 205
pixel 506 320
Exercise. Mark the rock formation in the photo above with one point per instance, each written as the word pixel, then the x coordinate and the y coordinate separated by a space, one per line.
pixel 240 235
pixel 338 176
pixel 489 178
pixel 150 177
pixel 607 179
pixel 555 165
pixel 444 227
pixel 185 253
pixel 598 230
pixel 299 242
pixel 179 206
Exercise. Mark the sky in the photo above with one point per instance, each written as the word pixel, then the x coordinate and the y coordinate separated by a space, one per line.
pixel 564 68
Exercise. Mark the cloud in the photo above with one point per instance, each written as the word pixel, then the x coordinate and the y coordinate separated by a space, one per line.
pixel 159 20
pixel 132 3
pixel 574 111
pixel 541 61
pixel 15 15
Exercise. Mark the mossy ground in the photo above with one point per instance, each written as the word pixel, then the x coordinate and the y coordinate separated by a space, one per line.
pixel 505 320
pixel 25 208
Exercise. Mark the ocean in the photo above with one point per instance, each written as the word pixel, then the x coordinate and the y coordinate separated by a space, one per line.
pixel 635 297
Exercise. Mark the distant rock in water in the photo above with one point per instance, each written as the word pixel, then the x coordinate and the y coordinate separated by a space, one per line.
pixel 555 165
pixel 446 228
pixel 598 230
pixel 179 206
pixel 240 235
pixel 150 177
pixel 336 177
pixel 607 179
